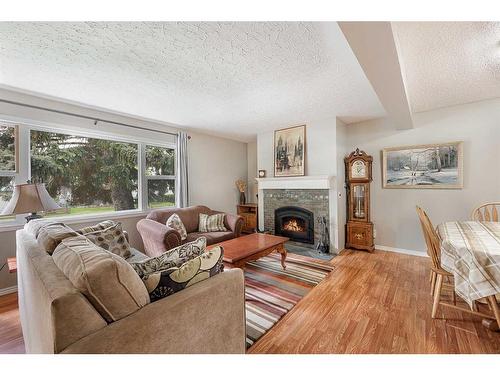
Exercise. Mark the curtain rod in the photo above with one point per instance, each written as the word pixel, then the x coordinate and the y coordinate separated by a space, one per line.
pixel 95 119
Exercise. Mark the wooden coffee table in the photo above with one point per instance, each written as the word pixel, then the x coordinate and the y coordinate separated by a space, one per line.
pixel 241 250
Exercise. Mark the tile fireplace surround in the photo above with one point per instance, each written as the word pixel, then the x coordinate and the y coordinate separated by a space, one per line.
pixel 314 193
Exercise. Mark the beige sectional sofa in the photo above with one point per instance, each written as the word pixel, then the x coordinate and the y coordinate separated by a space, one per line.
pixel 56 317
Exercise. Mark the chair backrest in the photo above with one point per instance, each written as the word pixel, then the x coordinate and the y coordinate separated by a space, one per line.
pixel 486 212
pixel 431 238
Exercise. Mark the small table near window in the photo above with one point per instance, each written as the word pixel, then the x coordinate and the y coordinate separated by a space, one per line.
pixel 12 265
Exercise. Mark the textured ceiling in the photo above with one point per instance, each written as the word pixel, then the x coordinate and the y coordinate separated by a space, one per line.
pixel 234 79
pixel 449 63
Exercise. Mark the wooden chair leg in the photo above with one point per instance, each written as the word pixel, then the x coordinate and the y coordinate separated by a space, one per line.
pixel 433 282
pixel 437 295
pixel 494 306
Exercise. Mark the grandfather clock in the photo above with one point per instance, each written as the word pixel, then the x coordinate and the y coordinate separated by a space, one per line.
pixel 358 174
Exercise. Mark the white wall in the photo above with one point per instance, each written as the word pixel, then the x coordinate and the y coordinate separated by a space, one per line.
pixel 320 149
pixel 214 163
pixel 393 210
pixel 214 166
pixel 342 151
pixel 252 172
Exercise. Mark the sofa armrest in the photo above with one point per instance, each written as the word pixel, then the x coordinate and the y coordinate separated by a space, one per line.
pixel 234 223
pixel 180 323
pixel 157 237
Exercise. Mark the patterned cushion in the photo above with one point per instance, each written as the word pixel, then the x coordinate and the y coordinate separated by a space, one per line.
pixel 51 235
pixel 164 283
pixel 172 258
pixel 212 223
pixel 111 239
pixel 94 228
pixel 175 222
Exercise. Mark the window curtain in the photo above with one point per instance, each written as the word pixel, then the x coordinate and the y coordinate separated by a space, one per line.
pixel 182 170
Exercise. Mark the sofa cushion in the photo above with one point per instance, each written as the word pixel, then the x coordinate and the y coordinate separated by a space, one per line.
pixel 172 258
pixel 188 215
pixel 136 256
pixel 164 283
pixel 211 223
pixel 94 228
pixel 212 237
pixel 34 226
pixel 175 222
pixel 112 239
pixel 106 279
pixel 51 235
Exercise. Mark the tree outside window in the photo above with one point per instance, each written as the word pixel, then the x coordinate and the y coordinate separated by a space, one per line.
pixel 160 176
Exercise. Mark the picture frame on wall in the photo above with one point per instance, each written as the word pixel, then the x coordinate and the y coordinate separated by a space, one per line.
pixel 430 166
pixel 290 151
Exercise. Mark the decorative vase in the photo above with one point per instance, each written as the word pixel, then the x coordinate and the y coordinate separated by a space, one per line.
pixel 243 199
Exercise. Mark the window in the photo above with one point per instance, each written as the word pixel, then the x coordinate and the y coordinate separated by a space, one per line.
pixel 85 175
pixel 8 165
pixel 160 176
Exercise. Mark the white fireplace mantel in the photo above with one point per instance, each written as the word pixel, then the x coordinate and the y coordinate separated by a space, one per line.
pixel 303 182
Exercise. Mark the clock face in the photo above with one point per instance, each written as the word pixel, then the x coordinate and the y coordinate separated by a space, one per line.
pixel 358 169
pixel 262 173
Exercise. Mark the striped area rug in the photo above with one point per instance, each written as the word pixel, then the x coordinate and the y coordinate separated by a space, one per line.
pixel 271 292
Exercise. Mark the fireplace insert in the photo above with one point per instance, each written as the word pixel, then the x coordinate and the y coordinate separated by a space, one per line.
pixel 295 223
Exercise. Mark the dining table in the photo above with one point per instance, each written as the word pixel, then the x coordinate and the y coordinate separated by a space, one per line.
pixel 470 250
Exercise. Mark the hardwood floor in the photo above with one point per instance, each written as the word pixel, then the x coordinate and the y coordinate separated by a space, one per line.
pixel 11 337
pixel 376 303
pixel 371 303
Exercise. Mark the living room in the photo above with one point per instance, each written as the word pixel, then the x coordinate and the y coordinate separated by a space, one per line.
pixel 334 191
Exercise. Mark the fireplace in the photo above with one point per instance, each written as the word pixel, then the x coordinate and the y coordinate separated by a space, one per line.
pixel 295 223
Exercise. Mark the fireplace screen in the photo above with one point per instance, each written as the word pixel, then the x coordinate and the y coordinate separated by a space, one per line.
pixel 295 223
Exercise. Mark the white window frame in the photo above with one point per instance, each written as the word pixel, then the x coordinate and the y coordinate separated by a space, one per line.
pixel 14 173
pixel 23 168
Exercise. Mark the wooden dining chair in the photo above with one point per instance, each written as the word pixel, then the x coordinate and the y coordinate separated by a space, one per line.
pixel 486 212
pixel 438 274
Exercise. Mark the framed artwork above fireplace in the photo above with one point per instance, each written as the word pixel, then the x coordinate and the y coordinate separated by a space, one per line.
pixel 290 151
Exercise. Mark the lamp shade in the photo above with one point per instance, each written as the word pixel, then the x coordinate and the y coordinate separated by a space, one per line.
pixel 30 198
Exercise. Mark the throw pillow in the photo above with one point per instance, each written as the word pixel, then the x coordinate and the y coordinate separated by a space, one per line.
pixel 172 258
pixel 170 281
pixel 175 222
pixel 107 280
pixel 51 235
pixel 94 228
pixel 212 223
pixel 111 239
pixel 34 226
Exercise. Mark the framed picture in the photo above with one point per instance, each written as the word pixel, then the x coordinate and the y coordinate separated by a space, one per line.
pixel 290 151
pixel 434 166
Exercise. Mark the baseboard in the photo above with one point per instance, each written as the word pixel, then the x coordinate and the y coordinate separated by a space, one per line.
pixel 401 251
pixel 9 290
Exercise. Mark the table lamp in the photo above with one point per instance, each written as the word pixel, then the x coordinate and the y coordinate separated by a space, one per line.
pixel 30 198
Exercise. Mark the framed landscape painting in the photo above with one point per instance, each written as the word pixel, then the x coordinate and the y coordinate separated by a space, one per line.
pixel 289 151
pixel 434 166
